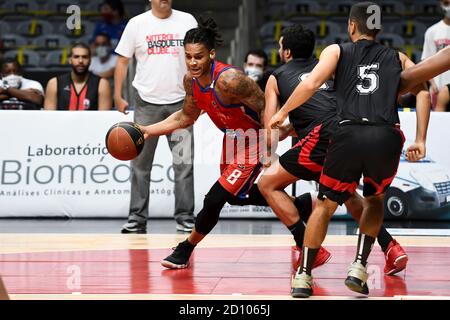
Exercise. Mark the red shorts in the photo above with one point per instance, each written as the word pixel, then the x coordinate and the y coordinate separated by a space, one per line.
pixel 240 165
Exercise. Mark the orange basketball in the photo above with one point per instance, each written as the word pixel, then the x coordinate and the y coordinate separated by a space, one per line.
pixel 124 141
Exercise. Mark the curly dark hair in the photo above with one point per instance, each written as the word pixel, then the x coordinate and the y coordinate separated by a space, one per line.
pixel 207 33
pixel 301 41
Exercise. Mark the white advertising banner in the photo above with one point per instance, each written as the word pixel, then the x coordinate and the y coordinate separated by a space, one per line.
pixel 55 164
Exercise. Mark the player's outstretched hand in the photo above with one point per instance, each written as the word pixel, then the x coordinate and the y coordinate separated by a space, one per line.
pixel 121 105
pixel 278 119
pixel 415 152
pixel 145 131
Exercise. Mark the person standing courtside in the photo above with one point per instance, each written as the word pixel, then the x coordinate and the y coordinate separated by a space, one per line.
pixel 155 39
pixel 437 37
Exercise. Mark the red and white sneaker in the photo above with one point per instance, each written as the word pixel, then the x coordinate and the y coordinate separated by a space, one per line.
pixel 323 256
pixel 396 258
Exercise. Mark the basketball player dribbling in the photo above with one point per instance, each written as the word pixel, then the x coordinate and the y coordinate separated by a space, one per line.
pixel 234 103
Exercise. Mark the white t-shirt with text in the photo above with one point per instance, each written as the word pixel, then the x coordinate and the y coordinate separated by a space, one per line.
pixel 157 45
pixel 437 37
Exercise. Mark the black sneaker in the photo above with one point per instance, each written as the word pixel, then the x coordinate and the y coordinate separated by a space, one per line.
pixel 133 227
pixel 185 225
pixel 179 259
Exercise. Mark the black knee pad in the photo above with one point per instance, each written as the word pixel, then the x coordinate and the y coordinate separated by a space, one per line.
pixel 254 198
pixel 303 204
pixel 213 203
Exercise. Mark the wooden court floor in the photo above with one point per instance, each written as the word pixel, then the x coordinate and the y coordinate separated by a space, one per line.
pixel 90 266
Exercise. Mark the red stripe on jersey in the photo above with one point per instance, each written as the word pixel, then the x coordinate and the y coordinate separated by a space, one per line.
pixel 82 98
pixel 308 144
pixel 77 100
pixel 337 185
pixel 73 106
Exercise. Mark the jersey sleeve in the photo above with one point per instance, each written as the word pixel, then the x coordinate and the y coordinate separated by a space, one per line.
pixel 127 43
pixel 192 22
pixel 428 46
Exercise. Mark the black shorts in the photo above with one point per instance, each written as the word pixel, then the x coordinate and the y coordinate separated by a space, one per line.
pixel 356 150
pixel 305 159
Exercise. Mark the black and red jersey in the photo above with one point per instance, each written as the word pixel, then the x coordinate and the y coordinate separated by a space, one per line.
pixel 70 99
pixel 366 82
pixel 320 107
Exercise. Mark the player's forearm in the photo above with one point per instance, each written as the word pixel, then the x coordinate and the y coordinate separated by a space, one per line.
pixel 423 107
pixel 425 70
pixel 177 120
pixel 272 137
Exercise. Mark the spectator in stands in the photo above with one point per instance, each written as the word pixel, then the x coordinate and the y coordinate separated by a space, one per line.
pixel 437 37
pixel 17 92
pixel 104 62
pixel 155 39
pixel 79 89
pixel 255 66
pixel 114 22
pixel 443 99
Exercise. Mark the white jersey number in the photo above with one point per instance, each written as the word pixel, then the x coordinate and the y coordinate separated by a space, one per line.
pixel 303 76
pixel 369 80
pixel 232 178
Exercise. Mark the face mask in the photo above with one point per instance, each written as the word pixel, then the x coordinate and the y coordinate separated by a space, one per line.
pixel 446 11
pixel 13 80
pixel 254 73
pixel 102 51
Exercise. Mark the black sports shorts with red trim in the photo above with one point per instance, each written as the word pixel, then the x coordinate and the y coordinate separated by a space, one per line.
pixel 356 150
pixel 305 159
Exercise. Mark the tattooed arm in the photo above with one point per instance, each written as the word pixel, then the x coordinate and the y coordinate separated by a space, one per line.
pixel 238 88
pixel 178 120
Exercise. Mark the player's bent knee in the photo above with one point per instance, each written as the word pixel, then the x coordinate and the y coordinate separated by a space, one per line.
pixel 264 185
pixel 213 203
pixel 375 200
pixel 325 207
pixel 354 205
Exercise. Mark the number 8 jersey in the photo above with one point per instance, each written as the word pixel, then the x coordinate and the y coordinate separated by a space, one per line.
pixel 361 95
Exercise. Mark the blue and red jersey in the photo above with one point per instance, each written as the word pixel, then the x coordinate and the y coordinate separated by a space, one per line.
pixel 239 165
pixel 224 116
